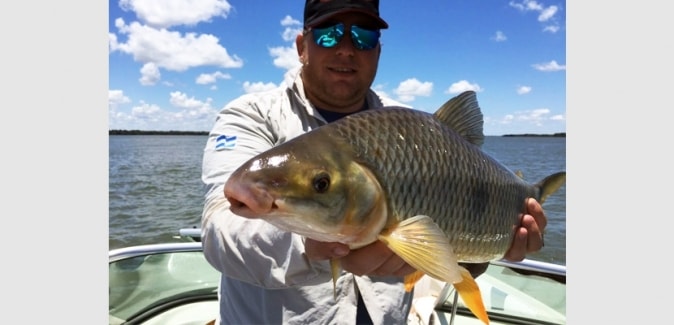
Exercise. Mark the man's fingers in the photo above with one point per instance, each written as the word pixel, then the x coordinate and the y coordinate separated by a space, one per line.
pixel 534 209
pixel 317 250
pixel 367 259
pixel 529 236
pixel 534 241
pixel 518 248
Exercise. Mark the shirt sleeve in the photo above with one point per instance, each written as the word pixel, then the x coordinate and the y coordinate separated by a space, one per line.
pixel 249 250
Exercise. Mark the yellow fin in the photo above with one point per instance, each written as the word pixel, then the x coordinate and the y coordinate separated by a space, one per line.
pixel 423 245
pixel 411 280
pixel 335 268
pixel 471 296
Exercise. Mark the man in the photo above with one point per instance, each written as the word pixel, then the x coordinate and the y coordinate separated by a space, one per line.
pixel 270 276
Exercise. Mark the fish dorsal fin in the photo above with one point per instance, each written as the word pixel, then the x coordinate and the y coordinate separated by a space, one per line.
pixel 463 115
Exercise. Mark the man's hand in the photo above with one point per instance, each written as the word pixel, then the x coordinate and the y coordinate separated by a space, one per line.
pixel 373 259
pixel 529 236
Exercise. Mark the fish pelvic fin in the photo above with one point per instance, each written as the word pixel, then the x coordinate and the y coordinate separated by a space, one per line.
pixel 335 267
pixel 424 246
pixel 463 114
pixel 412 279
pixel 470 294
pixel 550 185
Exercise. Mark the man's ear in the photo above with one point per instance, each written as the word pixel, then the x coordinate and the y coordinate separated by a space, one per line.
pixel 301 49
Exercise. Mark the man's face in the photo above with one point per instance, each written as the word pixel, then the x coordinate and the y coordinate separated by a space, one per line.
pixel 339 77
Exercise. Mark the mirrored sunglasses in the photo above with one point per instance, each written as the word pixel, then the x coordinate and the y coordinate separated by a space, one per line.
pixel 362 38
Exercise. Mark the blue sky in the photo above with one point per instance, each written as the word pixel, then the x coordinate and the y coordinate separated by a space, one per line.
pixel 173 64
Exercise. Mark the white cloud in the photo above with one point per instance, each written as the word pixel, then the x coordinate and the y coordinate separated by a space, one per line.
pixel 167 13
pixel 549 66
pixel 545 14
pixel 116 97
pixel 285 57
pixel 380 90
pixel 293 27
pixel 552 29
pixel 192 114
pixel 180 99
pixel 206 78
pixel 535 117
pixel 410 88
pixel 149 74
pixel 461 86
pixel 145 111
pixel 172 50
pixel 253 87
pixel 521 90
pixel 499 37
pixel 113 45
pixel 526 5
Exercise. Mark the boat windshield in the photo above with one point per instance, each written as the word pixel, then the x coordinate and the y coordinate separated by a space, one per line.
pixel 148 281
pixel 527 292
pixel 148 277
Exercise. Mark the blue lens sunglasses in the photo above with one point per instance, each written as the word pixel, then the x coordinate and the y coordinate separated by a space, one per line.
pixel 362 38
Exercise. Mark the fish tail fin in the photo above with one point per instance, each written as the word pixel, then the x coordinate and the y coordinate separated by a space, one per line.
pixel 335 268
pixel 411 280
pixel 471 296
pixel 550 185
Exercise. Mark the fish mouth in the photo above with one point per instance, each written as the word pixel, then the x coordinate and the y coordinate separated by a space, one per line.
pixel 252 211
pixel 249 201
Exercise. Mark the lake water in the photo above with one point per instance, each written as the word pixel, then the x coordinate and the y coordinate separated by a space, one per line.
pixel 155 186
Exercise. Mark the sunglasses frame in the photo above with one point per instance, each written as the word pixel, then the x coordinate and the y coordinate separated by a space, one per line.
pixel 330 36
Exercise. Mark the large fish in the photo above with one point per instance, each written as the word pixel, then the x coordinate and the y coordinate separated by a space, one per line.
pixel 417 181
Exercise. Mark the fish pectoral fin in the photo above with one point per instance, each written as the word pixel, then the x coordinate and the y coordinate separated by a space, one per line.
pixel 424 246
pixel 411 280
pixel 335 267
pixel 470 294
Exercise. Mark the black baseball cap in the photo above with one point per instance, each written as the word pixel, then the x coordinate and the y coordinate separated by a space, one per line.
pixel 316 11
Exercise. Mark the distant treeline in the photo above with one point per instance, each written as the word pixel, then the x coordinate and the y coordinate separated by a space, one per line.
pixel 560 135
pixel 141 132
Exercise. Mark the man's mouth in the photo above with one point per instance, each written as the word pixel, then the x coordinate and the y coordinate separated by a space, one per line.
pixel 342 70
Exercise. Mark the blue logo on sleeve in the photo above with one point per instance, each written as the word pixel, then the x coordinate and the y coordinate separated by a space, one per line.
pixel 225 142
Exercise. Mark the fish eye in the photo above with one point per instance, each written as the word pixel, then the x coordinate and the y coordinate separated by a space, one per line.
pixel 321 182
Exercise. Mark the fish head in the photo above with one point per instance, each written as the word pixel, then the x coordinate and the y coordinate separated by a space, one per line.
pixel 311 185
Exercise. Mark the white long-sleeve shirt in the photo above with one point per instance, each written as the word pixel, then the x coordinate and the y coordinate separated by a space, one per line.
pixel 266 276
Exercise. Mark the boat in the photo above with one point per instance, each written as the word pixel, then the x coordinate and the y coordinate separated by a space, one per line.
pixel 172 283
